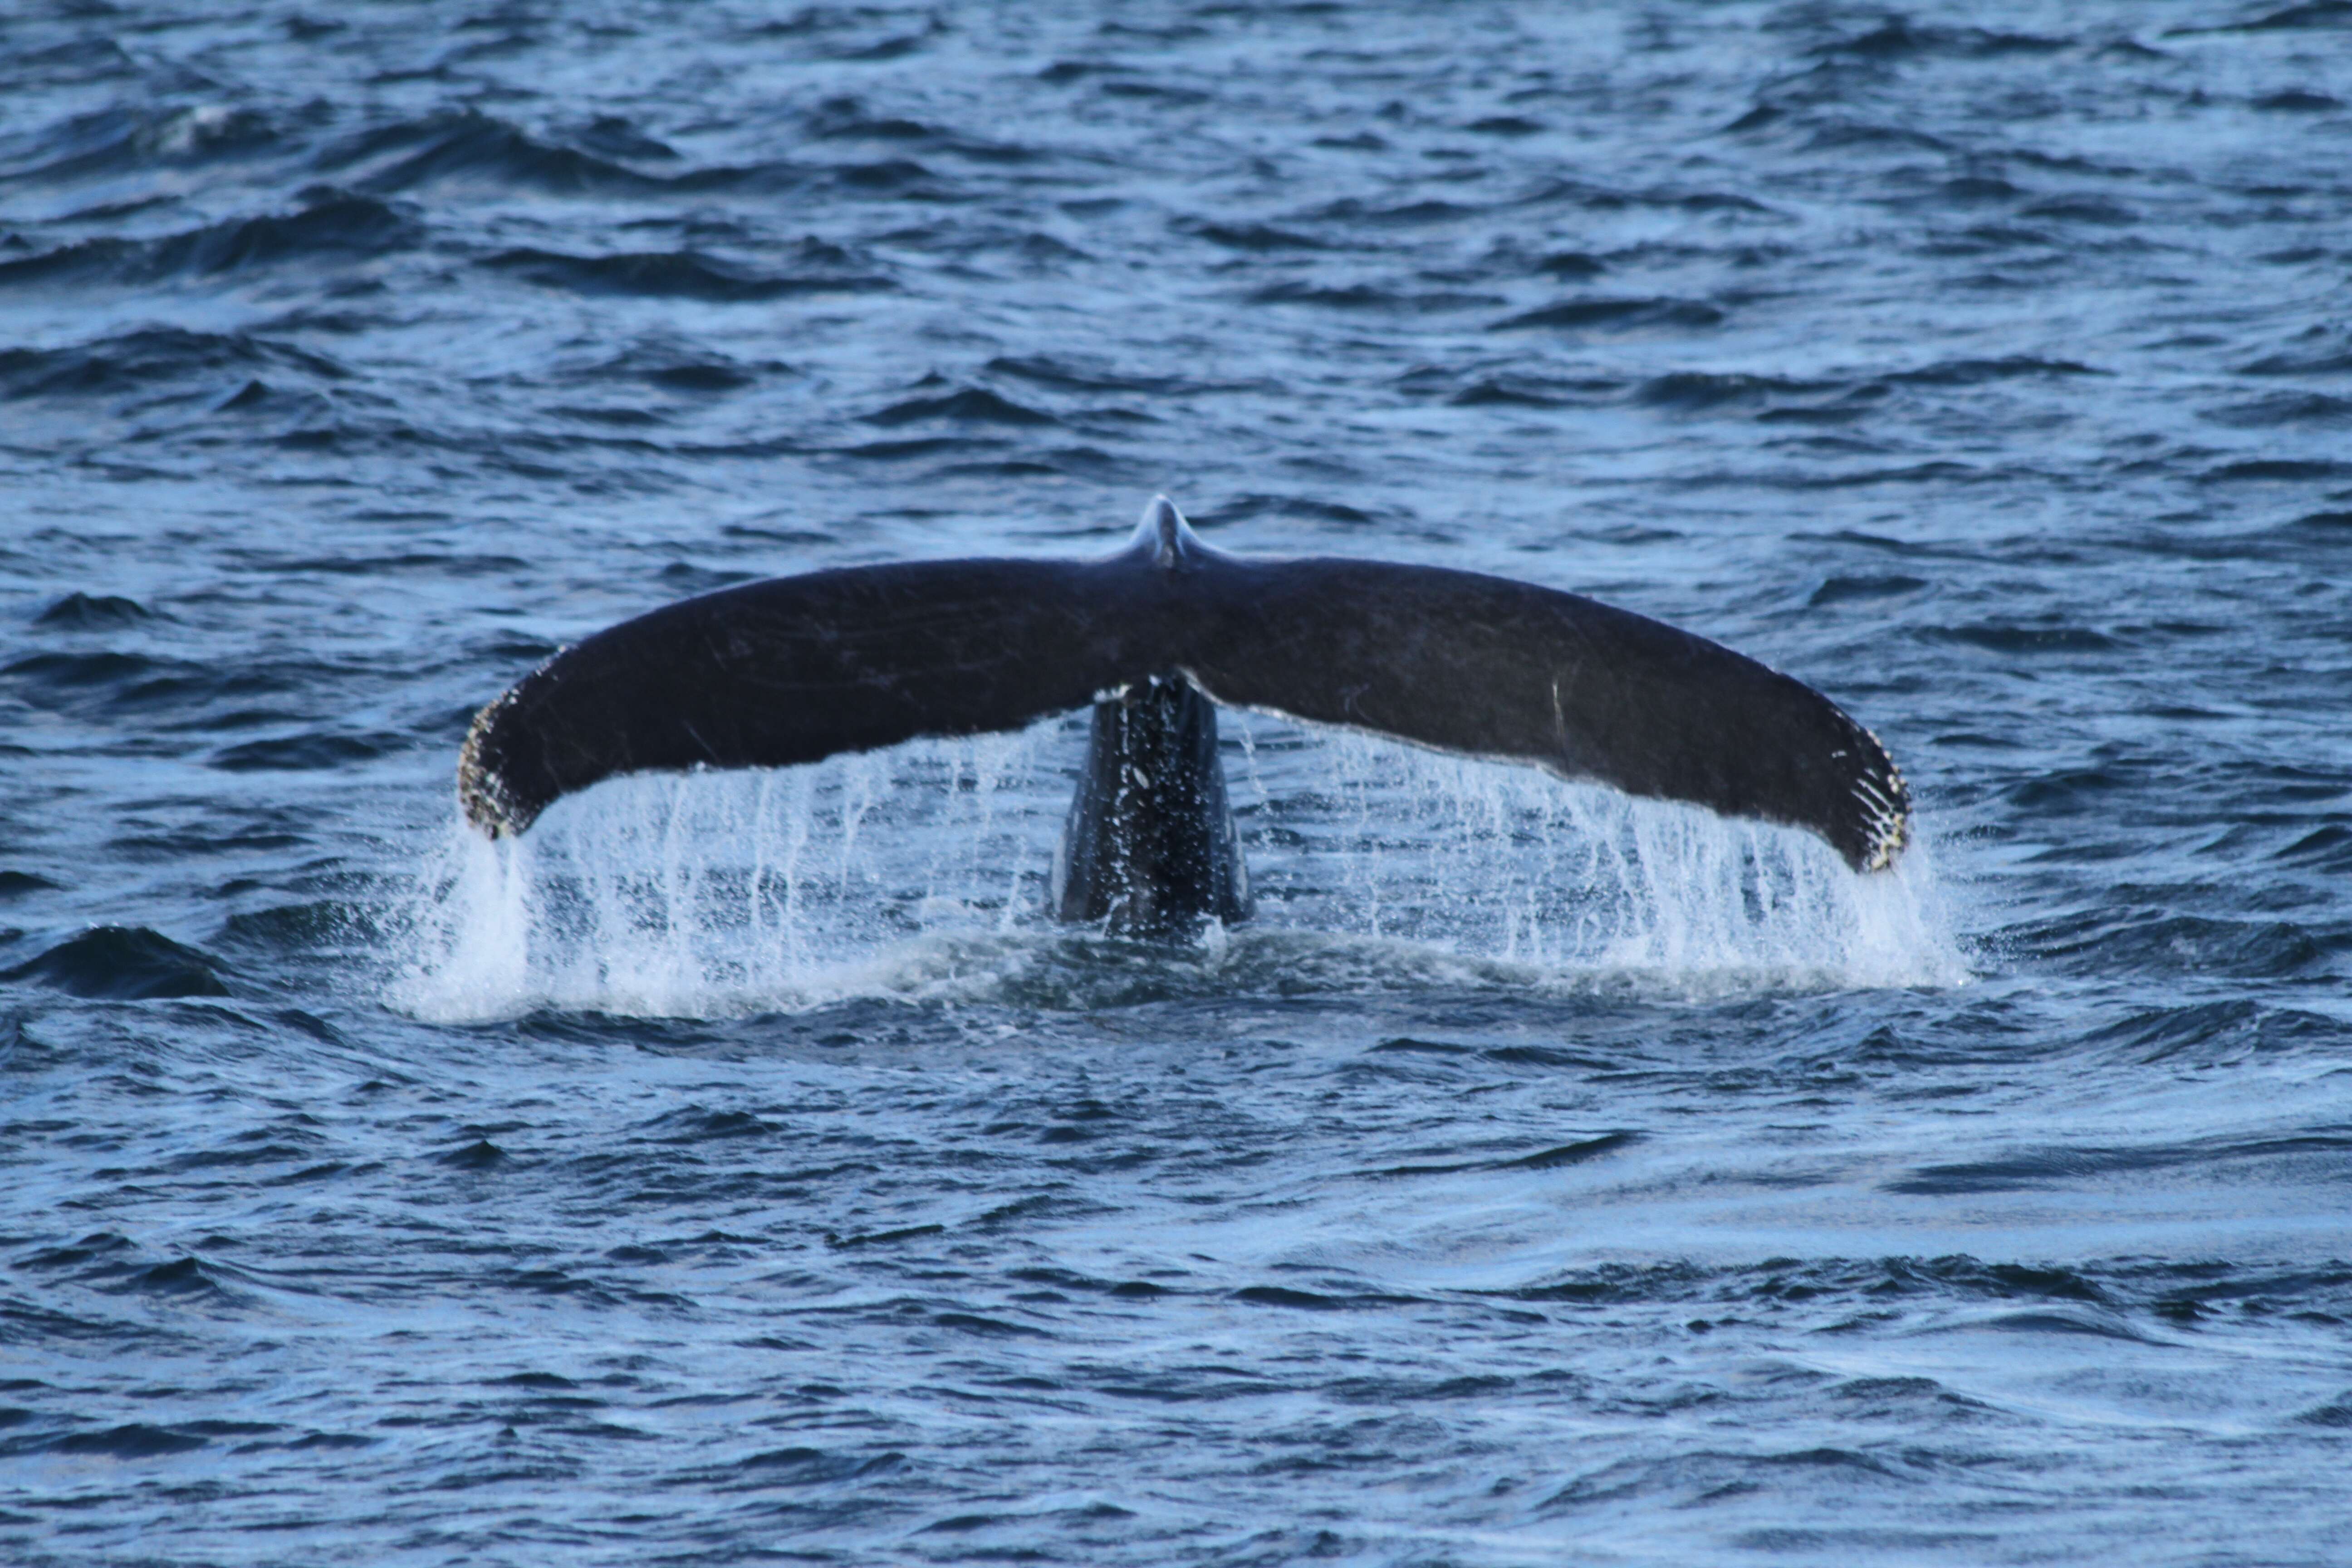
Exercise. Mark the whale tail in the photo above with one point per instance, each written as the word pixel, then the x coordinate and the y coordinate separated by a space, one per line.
pixel 1150 845
pixel 799 669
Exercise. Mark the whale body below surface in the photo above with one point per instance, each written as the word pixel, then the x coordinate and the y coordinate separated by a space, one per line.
pixel 799 669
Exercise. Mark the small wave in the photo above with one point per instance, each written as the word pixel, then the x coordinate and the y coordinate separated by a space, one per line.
pixel 2097 1325
pixel 2012 1175
pixel 1979 239
pixel 1969 189
pixel 2336 1413
pixel 1842 590
pixel 2316 14
pixel 2065 163
pixel 1506 391
pixel 919 447
pixel 1317 1302
pixel 895 47
pixel 84 60
pixel 479 1155
pixel 136 1440
pixel 671 275
pixel 2285 409
pixel 1514 391
pixel 1857 479
pixel 1366 297
pixel 1839 135
pixel 1063 375
pixel 1840 412
pixel 181 1277
pixel 152 356
pixel 93 612
pixel 469 144
pixel 2103 211
pixel 847 118
pixel 69 671
pixel 683 578
pixel 713 374
pixel 1550 1159
pixel 1255 238
pixel 429 562
pixel 682 367
pixel 1615 315
pixel 1242 508
pixel 1696 1477
pixel 1349 209
pixel 1699 391
pixel 2335 364
pixel 338 225
pixel 2328 849
pixel 2027 639
pixel 297 927
pixel 112 684
pixel 1168 94
pixel 305 753
pixel 972 405
pixel 695 1124
pixel 1897 39
pixel 122 963
pixel 104 1248
pixel 886 177
pixel 1975 371
pixel 1571 264
pixel 617 136
pixel 126 140
pixel 2138 942
pixel 1609 199
pixel 2298 101
pixel 813 1466
pixel 2286 468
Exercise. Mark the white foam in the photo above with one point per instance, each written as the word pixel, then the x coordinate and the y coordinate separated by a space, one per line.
pixel 920 872
pixel 1510 864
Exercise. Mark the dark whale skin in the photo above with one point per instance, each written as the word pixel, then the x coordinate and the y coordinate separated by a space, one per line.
pixel 1149 847
pixel 798 668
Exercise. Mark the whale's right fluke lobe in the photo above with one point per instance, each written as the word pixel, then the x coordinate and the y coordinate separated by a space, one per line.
pixel 1492 667
pixel 799 669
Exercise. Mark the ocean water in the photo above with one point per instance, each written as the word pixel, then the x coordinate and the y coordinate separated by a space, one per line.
pixel 741 1168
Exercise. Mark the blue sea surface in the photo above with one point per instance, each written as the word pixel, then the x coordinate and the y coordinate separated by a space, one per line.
pixel 743 1168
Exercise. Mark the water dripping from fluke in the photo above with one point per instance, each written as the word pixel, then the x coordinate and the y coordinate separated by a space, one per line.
pixel 920 874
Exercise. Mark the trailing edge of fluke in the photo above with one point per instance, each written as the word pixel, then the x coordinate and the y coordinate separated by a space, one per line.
pixel 799 669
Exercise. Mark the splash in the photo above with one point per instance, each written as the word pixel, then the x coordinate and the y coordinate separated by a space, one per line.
pixel 920 872
pixel 1573 881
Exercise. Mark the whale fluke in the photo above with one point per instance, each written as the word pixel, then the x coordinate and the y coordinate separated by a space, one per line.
pixel 799 669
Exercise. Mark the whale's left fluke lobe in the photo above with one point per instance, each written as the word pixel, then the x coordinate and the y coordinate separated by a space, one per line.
pixel 803 667
pixel 794 671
